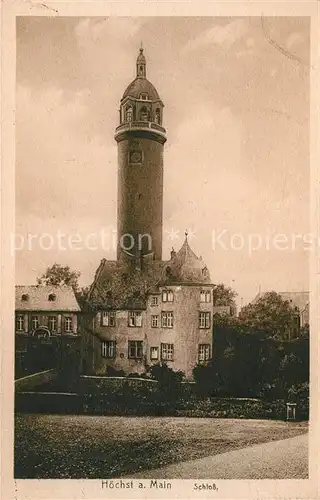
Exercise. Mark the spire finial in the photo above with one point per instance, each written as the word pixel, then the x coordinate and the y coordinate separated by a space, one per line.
pixel 186 234
pixel 141 63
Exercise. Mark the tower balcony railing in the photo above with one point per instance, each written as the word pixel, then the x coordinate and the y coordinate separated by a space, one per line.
pixel 136 125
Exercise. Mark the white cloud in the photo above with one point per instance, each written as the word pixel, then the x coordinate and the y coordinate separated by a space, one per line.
pixel 223 35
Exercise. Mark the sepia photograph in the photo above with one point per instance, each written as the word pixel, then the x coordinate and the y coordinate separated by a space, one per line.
pixel 162 248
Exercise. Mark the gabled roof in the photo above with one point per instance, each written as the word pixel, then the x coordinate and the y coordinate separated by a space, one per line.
pixel 119 285
pixel 37 298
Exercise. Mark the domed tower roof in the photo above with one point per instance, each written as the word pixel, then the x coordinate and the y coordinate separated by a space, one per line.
pixel 140 85
pixel 186 267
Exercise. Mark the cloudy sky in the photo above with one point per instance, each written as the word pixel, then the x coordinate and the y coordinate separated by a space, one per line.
pixel 236 161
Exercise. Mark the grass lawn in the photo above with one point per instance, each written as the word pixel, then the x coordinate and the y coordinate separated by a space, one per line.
pixel 80 446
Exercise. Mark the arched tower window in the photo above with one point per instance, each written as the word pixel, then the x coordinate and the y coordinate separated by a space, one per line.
pixel 144 114
pixel 129 114
pixel 157 116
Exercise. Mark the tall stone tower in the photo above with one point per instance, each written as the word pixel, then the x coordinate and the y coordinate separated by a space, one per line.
pixel 140 137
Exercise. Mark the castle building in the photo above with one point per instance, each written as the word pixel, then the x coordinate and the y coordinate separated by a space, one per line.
pixel 145 310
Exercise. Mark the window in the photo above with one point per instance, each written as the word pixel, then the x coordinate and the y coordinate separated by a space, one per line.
pixel 144 114
pixel 52 323
pixel 167 319
pixel 68 324
pixel 157 116
pixel 108 318
pixel 135 349
pixel 154 300
pixel 25 297
pixel 155 320
pixel 129 115
pixel 204 320
pixel 167 352
pixel 135 318
pixel 154 353
pixel 34 322
pixel 204 352
pixel 167 296
pixel 205 296
pixel 144 97
pixel 20 323
pixel 52 297
pixel 108 349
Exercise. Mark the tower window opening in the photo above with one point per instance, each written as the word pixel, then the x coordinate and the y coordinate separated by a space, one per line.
pixel 157 116
pixel 144 114
pixel 129 115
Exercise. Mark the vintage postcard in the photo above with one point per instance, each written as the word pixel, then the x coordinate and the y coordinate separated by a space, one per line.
pixel 160 302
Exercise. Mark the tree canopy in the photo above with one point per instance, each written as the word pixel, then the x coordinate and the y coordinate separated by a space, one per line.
pixel 271 314
pixel 224 295
pixel 58 275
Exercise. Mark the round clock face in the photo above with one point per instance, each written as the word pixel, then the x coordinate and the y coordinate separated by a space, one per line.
pixel 136 157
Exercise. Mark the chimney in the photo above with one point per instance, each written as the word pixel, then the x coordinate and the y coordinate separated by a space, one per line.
pixel 173 253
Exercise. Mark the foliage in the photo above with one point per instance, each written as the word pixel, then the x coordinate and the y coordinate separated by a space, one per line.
pixel 169 381
pixel 271 314
pixel 58 275
pixel 246 365
pixel 224 295
pixel 81 295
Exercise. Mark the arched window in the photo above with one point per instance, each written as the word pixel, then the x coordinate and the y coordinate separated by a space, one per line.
pixel 129 114
pixel 157 116
pixel 144 114
pixel 167 296
pixel 25 297
pixel 52 297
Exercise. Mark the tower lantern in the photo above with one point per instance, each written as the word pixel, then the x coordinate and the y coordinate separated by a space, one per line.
pixel 141 65
pixel 140 137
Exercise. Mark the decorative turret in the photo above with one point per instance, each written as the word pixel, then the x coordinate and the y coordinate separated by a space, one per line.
pixel 185 267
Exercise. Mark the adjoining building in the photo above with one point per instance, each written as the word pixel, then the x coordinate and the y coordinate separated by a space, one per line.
pixel 45 310
pixel 46 323
pixel 146 310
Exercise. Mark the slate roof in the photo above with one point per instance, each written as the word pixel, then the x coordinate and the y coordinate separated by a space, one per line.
pixel 186 267
pixel 140 86
pixel 120 285
pixel 38 298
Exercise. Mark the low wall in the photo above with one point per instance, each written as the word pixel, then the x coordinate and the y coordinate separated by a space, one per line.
pixel 137 396
pixel 47 402
pixel 34 380
pixel 93 384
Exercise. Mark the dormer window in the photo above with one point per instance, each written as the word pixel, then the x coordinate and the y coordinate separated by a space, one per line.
pixel 52 297
pixel 144 97
pixel 25 297
pixel 204 271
